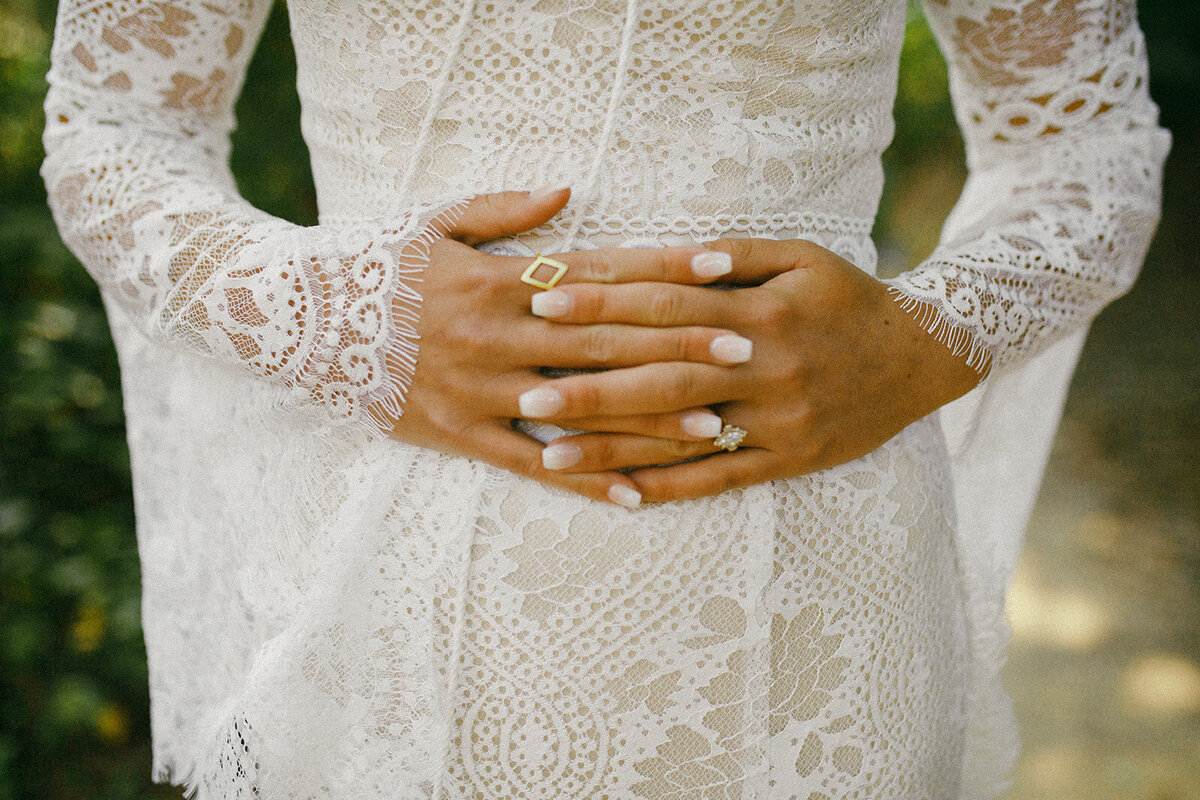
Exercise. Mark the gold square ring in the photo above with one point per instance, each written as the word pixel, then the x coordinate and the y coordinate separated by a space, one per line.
pixel 560 269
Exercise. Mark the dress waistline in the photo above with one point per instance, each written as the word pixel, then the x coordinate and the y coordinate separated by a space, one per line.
pixel 695 226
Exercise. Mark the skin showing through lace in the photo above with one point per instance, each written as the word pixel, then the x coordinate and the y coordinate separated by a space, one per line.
pixel 397 597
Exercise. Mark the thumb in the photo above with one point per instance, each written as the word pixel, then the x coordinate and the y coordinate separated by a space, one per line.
pixel 491 216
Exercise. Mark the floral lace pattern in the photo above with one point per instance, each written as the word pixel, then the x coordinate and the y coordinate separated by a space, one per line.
pixel 327 312
pixel 331 614
pixel 1065 159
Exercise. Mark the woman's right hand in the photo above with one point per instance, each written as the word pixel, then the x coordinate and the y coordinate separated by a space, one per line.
pixel 481 348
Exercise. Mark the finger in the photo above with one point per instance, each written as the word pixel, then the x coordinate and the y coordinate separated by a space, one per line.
pixel 691 264
pixel 655 304
pixel 492 216
pixel 756 261
pixel 692 425
pixel 710 476
pixel 593 346
pixel 646 389
pixel 502 275
pixel 594 452
pixel 518 453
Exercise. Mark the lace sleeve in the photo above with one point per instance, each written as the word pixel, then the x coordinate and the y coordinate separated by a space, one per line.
pixel 138 116
pixel 1065 158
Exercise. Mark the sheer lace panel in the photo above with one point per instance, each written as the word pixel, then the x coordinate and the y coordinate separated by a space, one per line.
pixel 139 113
pixel 330 614
pixel 1065 158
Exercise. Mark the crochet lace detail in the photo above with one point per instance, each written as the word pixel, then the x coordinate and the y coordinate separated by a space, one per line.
pixel 138 125
pixel 332 614
pixel 1065 160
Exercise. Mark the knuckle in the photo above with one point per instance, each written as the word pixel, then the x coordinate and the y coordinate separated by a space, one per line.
pixel 771 312
pixel 460 332
pixel 470 338
pixel 474 278
pixel 589 304
pixel 599 345
pixel 584 398
pixel 600 451
pixel 665 266
pixel 800 421
pixel 602 268
pixel 786 372
pixel 691 345
pixel 741 249
pixel 682 386
pixel 446 424
pixel 665 305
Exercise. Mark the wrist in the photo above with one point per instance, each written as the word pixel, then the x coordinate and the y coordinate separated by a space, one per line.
pixel 934 354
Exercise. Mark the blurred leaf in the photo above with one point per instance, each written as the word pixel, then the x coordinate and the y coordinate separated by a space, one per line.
pixel 75 704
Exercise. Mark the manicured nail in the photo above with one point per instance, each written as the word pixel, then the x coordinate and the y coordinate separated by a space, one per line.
pixel 624 496
pixel 551 303
pixel 541 402
pixel 729 348
pixel 701 424
pixel 711 265
pixel 561 455
pixel 542 192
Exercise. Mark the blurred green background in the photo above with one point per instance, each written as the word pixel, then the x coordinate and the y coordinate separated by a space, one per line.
pixel 1105 668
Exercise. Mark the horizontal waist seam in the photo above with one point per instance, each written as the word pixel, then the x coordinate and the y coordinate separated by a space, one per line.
pixel 692 225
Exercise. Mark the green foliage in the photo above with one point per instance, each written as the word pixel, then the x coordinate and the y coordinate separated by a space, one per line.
pixel 74 713
pixel 73 705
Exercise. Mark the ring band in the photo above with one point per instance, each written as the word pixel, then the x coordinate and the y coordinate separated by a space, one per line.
pixel 730 438
pixel 560 269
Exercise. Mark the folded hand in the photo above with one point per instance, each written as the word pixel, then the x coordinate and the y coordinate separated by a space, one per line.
pixel 481 348
pixel 838 368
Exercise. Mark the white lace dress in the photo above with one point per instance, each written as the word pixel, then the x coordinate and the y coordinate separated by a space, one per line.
pixel 332 614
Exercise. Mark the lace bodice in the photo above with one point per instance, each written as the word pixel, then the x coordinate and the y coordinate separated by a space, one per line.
pixel 670 119
pixel 367 607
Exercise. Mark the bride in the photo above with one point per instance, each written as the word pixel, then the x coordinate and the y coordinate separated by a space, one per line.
pixel 475 491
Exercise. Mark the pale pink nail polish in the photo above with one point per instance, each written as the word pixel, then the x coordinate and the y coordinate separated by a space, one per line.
pixel 542 192
pixel 540 402
pixel 701 424
pixel 551 303
pixel 730 348
pixel 561 455
pixel 711 265
pixel 624 496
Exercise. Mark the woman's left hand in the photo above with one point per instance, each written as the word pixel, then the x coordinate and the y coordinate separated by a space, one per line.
pixel 838 368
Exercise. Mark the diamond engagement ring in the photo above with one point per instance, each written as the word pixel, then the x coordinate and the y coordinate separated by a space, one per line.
pixel 730 438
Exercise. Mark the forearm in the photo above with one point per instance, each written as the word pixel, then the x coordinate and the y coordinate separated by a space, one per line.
pixel 1065 159
pixel 138 180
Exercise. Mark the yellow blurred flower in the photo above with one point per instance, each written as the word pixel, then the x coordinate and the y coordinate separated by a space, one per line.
pixel 112 724
pixel 89 628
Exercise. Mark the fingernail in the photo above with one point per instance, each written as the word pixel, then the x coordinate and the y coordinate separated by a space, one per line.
pixel 701 424
pixel 540 402
pixel 710 264
pixel 624 496
pixel 560 455
pixel 730 348
pixel 551 303
pixel 542 192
